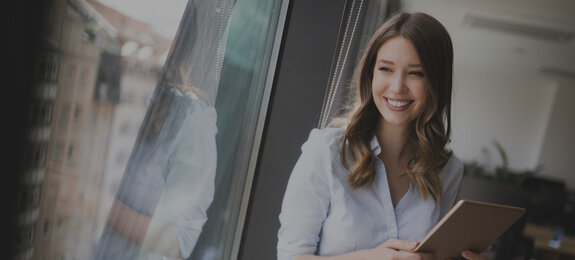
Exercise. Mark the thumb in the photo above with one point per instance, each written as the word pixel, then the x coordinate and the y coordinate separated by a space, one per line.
pixel 404 245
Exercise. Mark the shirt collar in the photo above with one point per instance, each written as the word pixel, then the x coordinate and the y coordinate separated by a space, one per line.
pixel 374 145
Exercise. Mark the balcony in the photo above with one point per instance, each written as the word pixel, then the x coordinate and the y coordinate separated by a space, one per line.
pixel 28 217
pixel 46 91
pixel 40 134
pixel 34 176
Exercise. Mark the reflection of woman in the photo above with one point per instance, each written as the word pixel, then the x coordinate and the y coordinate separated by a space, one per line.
pixel 160 206
pixel 370 190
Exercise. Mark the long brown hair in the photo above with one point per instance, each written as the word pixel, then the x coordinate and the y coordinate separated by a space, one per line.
pixel 431 130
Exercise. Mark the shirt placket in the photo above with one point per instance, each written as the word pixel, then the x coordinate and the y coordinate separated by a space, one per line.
pixel 385 200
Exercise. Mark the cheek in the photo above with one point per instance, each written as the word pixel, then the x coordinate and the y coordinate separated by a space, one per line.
pixel 421 93
pixel 377 85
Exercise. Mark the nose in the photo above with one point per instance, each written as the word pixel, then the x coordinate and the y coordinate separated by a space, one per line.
pixel 398 83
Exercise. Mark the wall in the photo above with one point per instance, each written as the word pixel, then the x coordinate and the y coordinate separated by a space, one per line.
pixel 511 110
pixel 557 154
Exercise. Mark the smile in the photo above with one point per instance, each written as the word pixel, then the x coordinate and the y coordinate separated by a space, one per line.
pixel 398 104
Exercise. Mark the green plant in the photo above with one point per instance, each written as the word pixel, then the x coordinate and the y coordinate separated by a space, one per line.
pixel 500 173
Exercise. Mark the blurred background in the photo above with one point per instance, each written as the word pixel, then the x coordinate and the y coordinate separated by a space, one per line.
pixel 84 74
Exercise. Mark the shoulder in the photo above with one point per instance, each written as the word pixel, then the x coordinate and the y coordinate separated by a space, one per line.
pixel 191 104
pixel 325 139
pixel 452 171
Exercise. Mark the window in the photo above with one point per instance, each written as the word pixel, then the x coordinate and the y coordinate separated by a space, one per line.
pixel 54 69
pixel 82 77
pixel 57 152
pixel 62 195
pixel 50 192
pixel 231 69
pixel 41 112
pixel 30 196
pixel 64 114
pixel 42 68
pixel 77 112
pixel 70 152
pixel 48 66
pixel 26 237
pixel 225 68
pixel 35 155
pixel 70 73
pixel 46 227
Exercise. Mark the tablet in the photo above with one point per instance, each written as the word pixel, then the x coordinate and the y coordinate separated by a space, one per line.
pixel 470 225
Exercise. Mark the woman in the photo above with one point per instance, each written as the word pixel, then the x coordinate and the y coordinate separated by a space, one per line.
pixel 160 207
pixel 373 188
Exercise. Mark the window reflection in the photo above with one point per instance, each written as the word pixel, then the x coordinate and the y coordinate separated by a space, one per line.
pixel 168 184
pixel 122 163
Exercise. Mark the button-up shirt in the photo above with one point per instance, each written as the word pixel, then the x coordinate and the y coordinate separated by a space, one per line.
pixel 321 214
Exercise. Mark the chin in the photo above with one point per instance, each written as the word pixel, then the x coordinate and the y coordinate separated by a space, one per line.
pixel 396 121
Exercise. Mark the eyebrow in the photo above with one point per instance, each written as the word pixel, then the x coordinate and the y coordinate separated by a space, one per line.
pixel 391 63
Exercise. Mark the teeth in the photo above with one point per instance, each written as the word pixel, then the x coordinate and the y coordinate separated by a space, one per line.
pixel 398 103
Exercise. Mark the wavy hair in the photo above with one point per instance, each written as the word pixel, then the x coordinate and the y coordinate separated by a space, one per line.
pixel 431 130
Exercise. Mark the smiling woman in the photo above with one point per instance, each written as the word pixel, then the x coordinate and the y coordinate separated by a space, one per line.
pixel 375 186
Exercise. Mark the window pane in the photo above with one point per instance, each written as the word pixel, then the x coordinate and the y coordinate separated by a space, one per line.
pixel 150 157
pixel 212 70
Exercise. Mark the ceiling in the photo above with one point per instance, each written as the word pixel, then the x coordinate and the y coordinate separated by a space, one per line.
pixel 516 51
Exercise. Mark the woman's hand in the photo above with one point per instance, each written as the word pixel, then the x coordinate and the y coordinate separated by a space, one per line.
pixel 473 256
pixel 390 249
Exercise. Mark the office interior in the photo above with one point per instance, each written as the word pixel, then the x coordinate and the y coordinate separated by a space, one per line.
pixel 85 74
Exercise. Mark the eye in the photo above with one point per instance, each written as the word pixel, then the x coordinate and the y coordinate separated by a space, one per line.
pixel 417 73
pixel 386 69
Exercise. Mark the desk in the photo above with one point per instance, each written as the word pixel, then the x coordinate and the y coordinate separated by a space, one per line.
pixel 541 236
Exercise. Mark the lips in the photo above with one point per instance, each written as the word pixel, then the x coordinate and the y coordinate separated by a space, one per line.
pixel 398 104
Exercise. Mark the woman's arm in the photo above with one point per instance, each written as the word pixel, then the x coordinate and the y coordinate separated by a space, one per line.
pixel 151 235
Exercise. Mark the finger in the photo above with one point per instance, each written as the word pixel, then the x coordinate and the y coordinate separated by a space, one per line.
pixel 472 256
pixel 404 245
pixel 412 256
pixel 426 256
pixel 489 248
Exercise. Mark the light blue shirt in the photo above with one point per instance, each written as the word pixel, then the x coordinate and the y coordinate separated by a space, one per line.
pixel 321 214
pixel 170 178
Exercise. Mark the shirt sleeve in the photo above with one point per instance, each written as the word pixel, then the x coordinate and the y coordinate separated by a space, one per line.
pixel 190 179
pixel 307 198
pixel 452 176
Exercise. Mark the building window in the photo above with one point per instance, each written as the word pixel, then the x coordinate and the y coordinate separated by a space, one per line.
pixel 54 68
pixel 57 152
pixel 41 113
pixel 82 77
pixel 46 227
pixel 36 192
pixel 42 68
pixel 77 111
pixel 26 237
pixel 70 152
pixel 30 196
pixel 50 192
pixel 59 231
pixel 70 73
pixel 64 114
pixel 48 68
pixel 35 155
pixel 62 195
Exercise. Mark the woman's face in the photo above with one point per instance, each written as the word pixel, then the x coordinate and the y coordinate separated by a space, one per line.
pixel 399 86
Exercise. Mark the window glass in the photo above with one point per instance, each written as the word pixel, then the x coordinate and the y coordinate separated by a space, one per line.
pixel 169 130
pixel 361 21
pixel 70 72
